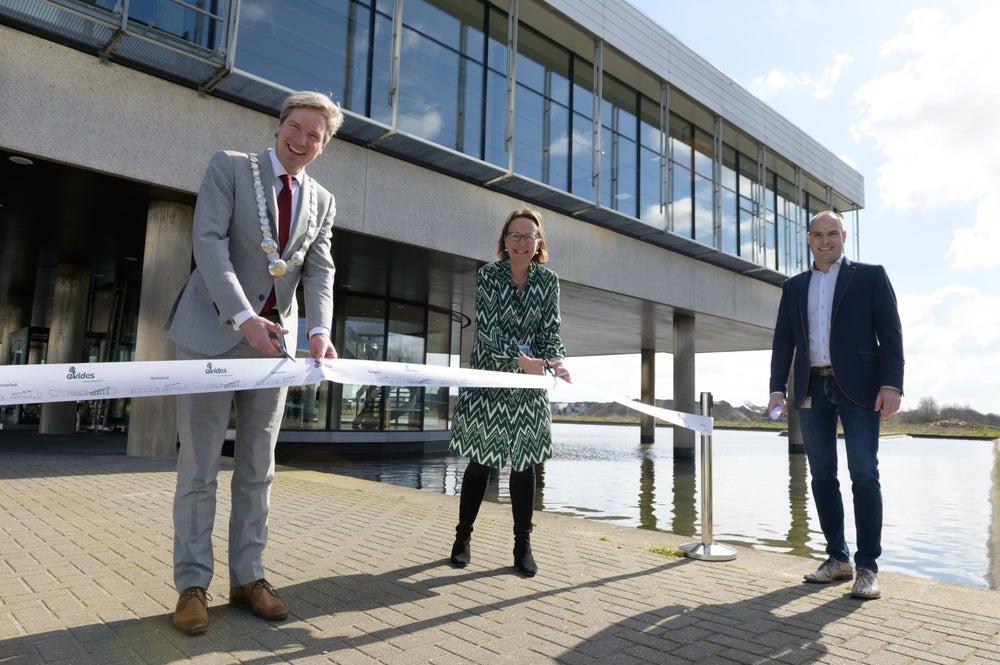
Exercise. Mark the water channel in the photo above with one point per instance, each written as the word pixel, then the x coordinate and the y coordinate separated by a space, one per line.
pixel 941 496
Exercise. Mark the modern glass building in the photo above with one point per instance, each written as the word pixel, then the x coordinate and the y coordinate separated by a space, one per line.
pixel 671 195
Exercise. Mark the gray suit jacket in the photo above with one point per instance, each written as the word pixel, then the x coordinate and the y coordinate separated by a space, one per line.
pixel 231 268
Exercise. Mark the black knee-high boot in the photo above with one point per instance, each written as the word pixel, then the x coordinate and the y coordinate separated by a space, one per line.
pixel 522 503
pixel 474 482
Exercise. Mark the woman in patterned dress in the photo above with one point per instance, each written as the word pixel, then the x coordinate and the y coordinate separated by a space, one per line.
pixel 517 330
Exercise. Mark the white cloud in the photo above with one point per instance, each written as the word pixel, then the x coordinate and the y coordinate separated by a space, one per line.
pixel 778 80
pixel 934 118
pixel 734 377
pixel 429 125
pixel 847 160
pixel 975 246
pixel 730 377
pixel 949 339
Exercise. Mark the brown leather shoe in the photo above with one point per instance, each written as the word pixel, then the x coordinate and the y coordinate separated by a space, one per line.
pixel 191 615
pixel 261 598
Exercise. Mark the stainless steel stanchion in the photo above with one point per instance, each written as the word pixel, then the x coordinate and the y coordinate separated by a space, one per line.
pixel 706 550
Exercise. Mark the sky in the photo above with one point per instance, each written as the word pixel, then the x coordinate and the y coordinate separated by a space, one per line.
pixel 907 93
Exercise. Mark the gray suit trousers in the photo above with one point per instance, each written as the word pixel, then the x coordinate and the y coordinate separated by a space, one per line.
pixel 202 420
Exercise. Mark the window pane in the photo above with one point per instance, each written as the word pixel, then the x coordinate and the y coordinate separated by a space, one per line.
pixel 729 221
pixel 441 73
pixel 381 65
pixel 541 123
pixel 443 20
pixel 747 239
pixel 650 170
pixel 681 205
pixel 405 404
pixel 581 155
pixel 439 326
pixel 703 210
pixel 469 126
pixel 703 153
pixel 556 157
pixel 308 48
pixel 529 133
pixel 681 139
pixel 174 19
pixel 496 105
pixel 363 338
pixel 729 203
pixel 619 168
pixel 496 91
pixel 428 89
pixel 770 227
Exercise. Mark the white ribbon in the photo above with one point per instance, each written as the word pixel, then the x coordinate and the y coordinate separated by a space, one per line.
pixel 33 384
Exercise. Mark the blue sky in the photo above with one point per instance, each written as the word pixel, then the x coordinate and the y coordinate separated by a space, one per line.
pixel 908 93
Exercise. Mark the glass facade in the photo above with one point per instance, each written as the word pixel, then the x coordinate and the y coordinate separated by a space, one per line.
pixel 457 78
pixel 457 74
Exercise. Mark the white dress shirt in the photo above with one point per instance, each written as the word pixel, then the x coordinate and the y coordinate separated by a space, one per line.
pixel 820 312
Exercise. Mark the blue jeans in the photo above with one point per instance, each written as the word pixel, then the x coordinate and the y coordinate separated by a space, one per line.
pixel 861 433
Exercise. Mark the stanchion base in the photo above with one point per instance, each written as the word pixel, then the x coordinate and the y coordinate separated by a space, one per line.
pixel 709 551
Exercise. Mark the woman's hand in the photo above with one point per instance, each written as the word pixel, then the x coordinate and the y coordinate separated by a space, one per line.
pixel 558 370
pixel 531 365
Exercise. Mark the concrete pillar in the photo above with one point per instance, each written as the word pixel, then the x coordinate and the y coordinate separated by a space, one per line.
pixel 647 424
pixel 66 331
pixel 684 400
pixel 166 263
pixel 11 320
pixel 7 311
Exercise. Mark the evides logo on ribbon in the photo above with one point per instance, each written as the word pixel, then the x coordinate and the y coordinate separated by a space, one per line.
pixel 74 375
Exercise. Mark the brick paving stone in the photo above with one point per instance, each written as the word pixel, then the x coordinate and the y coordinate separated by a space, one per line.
pixel 86 578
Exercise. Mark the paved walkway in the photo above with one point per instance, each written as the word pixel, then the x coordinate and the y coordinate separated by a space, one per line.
pixel 85 577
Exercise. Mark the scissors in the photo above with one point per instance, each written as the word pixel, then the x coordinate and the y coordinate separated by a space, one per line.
pixel 278 339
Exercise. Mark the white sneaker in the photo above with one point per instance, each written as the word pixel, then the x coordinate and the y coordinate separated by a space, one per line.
pixel 866 586
pixel 832 569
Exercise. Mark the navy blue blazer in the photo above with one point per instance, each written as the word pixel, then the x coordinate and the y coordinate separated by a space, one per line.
pixel 866 337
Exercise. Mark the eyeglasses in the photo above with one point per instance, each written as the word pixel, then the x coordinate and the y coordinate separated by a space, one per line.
pixel 526 237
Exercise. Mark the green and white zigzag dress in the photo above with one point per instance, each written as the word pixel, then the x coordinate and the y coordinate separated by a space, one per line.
pixel 492 425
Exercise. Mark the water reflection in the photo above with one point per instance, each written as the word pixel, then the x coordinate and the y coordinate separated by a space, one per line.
pixel 798 501
pixel 647 492
pixel 942 497
pixel 685 493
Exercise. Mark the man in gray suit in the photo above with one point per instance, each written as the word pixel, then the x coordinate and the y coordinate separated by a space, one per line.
pixel 257 235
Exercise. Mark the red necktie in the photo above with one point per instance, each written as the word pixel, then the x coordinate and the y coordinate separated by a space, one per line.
pixel 284 211
pixel 284 228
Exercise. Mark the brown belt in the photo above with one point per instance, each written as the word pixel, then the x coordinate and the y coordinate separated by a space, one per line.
pixel 822 370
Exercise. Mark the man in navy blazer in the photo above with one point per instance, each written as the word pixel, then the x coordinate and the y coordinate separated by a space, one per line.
pixel 838 324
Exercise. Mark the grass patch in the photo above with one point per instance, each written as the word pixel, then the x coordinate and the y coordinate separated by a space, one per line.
pixel 667 551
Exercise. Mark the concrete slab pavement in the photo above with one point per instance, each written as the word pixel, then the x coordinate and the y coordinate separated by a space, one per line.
pixel 85 577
